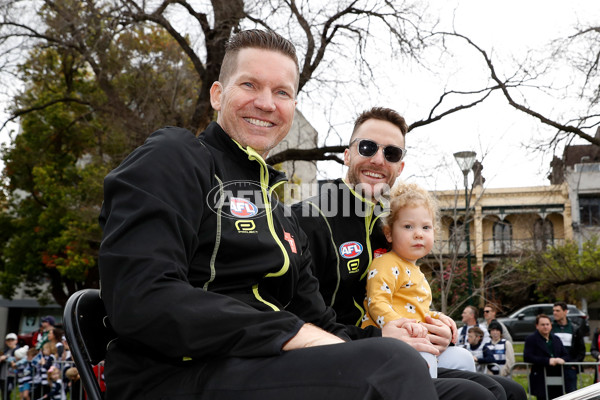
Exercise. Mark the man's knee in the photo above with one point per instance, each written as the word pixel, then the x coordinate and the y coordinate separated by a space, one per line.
pixel 380 350
pixel 513 390
pixel 395 370
pixel 461 389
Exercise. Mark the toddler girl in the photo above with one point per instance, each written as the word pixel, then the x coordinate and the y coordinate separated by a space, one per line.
pixel 396 287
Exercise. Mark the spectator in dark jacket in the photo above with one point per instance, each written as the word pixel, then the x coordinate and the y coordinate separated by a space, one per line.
pixel 545 351
pixel 572 338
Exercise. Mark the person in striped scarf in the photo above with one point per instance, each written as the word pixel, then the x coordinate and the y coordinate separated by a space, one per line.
pixel 502 350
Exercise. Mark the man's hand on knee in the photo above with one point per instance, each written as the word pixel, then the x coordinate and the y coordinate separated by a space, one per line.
pixel 439 335
pixel 309 336
pixel 451 324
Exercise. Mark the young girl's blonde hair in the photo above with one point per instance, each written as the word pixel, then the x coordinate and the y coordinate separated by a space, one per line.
pixel 409 195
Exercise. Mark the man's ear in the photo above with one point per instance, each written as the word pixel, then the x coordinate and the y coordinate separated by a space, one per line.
pixel 387 231
pixel 347 157
pixel 216 90
pixel 400 168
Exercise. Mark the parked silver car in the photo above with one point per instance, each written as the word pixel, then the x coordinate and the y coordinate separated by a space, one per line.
pixel 521 323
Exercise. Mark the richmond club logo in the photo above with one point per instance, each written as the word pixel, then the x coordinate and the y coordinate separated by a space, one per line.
pixel 351 249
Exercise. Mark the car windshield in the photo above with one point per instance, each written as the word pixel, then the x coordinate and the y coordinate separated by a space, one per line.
pixel 534 310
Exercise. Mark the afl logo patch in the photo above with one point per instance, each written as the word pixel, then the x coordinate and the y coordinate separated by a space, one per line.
pixel 242 208
pixel 351 249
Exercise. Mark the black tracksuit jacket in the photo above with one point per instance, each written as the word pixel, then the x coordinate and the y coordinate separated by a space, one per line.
pixel 344 233
pixel 199 260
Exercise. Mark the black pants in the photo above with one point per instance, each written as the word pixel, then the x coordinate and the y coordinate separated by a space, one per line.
pixel 502 388
pixel 368 369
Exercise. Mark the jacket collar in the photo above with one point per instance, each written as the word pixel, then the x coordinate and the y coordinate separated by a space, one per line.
pixel 357 199
pixel 216 137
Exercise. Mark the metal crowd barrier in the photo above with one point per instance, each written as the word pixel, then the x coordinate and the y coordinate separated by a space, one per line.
pixel 559 381
pixel 71 392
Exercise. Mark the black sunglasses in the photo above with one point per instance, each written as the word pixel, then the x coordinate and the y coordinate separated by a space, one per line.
pixel 368 148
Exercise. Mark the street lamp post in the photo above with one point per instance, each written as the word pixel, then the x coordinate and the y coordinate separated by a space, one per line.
pixel 465 160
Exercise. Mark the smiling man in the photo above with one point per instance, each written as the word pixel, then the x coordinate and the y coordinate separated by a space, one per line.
pixel 345 234
pixel 205 277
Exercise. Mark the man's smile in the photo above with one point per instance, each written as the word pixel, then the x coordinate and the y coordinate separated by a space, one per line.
pixel 259 122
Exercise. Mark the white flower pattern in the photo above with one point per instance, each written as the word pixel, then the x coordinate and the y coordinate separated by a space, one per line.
pixel 385 288
pixel 410 308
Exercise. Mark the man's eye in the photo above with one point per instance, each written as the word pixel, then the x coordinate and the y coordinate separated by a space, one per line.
pixel 283 93
pixel 247 84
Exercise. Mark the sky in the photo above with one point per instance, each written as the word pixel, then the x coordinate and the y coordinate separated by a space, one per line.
pixel 496 132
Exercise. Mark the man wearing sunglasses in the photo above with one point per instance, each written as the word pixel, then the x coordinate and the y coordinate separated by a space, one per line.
pixel 344 231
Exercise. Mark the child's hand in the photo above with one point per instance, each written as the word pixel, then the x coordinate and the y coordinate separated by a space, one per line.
pixel 415 329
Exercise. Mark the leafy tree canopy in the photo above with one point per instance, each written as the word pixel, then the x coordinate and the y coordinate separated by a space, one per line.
pixel 55 166
pixel 563 272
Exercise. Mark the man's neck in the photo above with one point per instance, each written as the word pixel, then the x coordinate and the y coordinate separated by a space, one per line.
pixel 562 322
pixel 372 195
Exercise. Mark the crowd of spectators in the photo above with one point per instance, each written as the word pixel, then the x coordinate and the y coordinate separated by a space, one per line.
pixel 555 342
pixel 42 371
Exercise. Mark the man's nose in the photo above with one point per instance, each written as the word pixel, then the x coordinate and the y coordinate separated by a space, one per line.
pixel 378 157
pixel 265 101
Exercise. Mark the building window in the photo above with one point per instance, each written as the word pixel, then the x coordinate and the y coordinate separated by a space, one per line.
pixel 543 234
pixel 502 237
pixel 457 237
pixel 589 211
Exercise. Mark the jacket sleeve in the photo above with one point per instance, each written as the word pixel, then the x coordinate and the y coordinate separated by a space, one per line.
pixel 533 354
pixel 506 333
pixel 488 356
pixel 308 303
pixel 318 235
pixel 578 349
pixel 510 359
pixel 152 217
pixel 560 349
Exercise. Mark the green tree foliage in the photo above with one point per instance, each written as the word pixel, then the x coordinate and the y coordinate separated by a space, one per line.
pixel 563 272
pixel 55 166
pixel 101 75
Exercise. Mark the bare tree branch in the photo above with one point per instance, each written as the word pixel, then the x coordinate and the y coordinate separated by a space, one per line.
pixel 315 154
pixel 504 85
